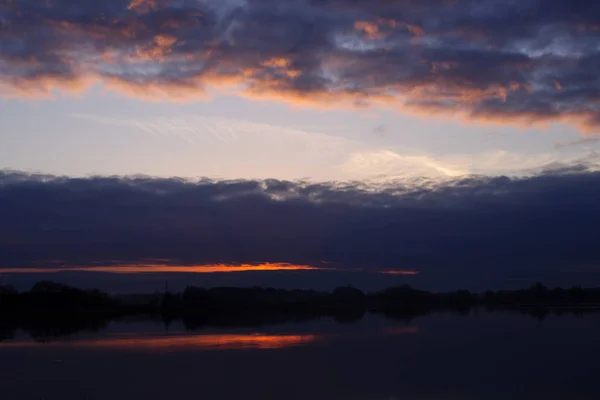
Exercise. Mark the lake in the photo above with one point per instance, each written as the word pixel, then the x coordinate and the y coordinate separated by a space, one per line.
pixel 501 355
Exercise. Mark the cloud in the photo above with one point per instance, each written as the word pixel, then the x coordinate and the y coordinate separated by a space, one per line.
pixel 147 268
pixel 386 164
pixel 252 149
pixel 582 141
pixel 457 231
pixel 167 266
pixel 229 131
pixel 380 130
pixel 519 62
pixel 263 150
pixel 406 164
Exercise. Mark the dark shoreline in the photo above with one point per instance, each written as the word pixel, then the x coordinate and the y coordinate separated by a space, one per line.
pixel 50 310
pixel 51 297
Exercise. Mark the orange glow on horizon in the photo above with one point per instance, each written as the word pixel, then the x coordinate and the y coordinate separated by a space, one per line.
pixel 151 268
pixel 158 268
pixel 182 342
pixel 398 272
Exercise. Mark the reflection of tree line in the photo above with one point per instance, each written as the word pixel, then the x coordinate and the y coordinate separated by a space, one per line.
pixel 52 310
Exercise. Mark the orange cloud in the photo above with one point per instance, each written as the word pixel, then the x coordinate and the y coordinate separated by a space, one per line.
pixel 158 49
pixel 370 29
pixel 380 28
pixel 128 29
pixel 583 121
pixel 273 80
pixel 142 5
pixel 277 62
pixel 414 29
pixel 46 87
pixel 157 91
pixel 178 51
pixel 557 85
pixel 152 268
pixel 398 272
pixel 166 268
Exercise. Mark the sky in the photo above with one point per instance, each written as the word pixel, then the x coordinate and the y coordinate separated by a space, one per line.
pixel 387 124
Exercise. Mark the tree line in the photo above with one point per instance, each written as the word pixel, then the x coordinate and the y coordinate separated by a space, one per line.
pixel 51 309
pixel 47 296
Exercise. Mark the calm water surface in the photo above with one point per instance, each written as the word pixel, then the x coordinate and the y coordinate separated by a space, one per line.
pixel 440 356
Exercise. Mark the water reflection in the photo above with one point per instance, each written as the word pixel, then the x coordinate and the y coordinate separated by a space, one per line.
pixel 179 342
pixel 482 355
pixel 404 330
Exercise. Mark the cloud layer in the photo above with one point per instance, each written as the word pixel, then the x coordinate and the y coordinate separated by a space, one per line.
pixel 455 231
pixel 512 62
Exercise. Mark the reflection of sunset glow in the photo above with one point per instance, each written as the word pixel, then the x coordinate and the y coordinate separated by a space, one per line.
pixel 398 272
pixel 199 342
pixel 404 330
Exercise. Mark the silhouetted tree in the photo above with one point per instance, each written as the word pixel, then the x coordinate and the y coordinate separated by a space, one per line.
pixel 348 297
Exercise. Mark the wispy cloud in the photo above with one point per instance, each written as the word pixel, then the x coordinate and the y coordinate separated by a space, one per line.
pixel 323 153
pixel 228 130
pixel 583 141
pixel 386 164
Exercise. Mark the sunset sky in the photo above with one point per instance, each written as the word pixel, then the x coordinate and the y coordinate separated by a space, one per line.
pixel 453 138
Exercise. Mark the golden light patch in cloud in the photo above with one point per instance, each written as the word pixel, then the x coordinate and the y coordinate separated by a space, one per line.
pixel 278 62
pixel 557 85
pixel 46 87
pixel 157 91
pixel 437 66
pixel 455 96
pixel 181 342
pixel 281 64
pixel 160 47
pixel 380 29
pixel 142 5
pixel 414 29
pixel 325 100
pixel 369 29
pixel 582 121
pixel 402 97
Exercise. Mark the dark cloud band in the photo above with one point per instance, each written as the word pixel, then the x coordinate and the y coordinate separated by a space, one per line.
pixel 469 227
